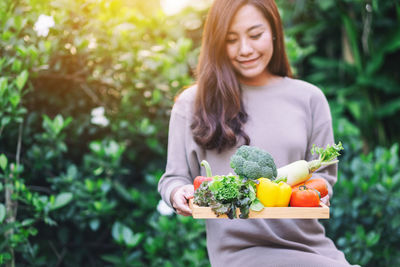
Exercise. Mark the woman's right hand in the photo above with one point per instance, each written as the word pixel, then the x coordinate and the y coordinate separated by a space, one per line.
pixel 180 199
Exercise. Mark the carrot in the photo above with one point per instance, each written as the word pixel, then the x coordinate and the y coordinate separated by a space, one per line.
pixel 318 184
pixel 301 170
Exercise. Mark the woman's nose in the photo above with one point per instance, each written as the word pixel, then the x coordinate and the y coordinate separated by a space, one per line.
pixel 245 47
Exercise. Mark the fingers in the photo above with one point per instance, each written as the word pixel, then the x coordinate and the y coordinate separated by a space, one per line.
pixel 189 192
pixel 180 200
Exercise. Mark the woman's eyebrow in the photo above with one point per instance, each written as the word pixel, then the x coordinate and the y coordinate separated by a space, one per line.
pixel 254 27
pixel 250 29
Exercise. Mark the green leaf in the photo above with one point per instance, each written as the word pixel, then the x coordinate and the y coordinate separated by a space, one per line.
pixel 112 148
pixel 2 212
pixel 16 66
pixel 111 258
pixel 18 23
pixel 390 44
pixel 6 35
pixel 116 232
pixel 5 120
pixel 351 32
pixel 58 124
pixel 123 191
pixel 5 257
pixel 90 185
pixel 2 60
pixel 3 85
pixel 47 123
pixel 94 224
pixel 355 108
pixel 98 171
pixel 3 162
pixel 123 234
pixel 15 98
pixel 95 146
pixel 98 205
pixel 62 200
pixel 50 221
pixel 20 81
pixel 390 108
pixel 132 240
pixel 127 234
pixel 256 205
pixel 326 5
pixel 156 96
pixel 21 51
pixel 33 231
pixel 372 238
pixel 27 222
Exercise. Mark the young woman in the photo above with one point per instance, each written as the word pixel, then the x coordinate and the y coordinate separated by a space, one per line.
pixel 244 95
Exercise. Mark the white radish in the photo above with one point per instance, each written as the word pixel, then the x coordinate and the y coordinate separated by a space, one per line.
pixel 296 172
pixel 301 170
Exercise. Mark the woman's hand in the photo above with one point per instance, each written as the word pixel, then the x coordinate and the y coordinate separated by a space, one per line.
pixel 180 199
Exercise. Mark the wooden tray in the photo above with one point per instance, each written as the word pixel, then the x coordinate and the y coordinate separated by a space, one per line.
pixel 321 212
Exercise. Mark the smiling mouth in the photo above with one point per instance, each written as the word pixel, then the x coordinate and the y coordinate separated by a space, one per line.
pixel 247 62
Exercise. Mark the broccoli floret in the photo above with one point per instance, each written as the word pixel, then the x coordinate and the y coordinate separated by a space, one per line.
pixel 252 163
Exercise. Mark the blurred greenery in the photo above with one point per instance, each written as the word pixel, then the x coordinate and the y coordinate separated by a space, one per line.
pixel 84 112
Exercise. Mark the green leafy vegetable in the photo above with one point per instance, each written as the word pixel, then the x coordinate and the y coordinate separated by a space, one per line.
pixel 225 194
pixel 204 197
pixel 326 155
pixel 225 188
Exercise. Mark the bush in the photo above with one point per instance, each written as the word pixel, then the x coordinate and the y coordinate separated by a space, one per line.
pixel 84 114
pixel 84 111
pixel 351 49
pixel 365 208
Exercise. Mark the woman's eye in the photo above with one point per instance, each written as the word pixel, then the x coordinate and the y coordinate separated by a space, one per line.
pixel 256 36
pixel 230 41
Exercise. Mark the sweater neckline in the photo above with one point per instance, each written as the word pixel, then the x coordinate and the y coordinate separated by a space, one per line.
pixel 275 83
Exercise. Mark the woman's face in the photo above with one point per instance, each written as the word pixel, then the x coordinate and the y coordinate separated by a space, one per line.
pixel 249 45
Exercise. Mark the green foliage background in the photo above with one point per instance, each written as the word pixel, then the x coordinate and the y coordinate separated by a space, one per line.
pixel 76 193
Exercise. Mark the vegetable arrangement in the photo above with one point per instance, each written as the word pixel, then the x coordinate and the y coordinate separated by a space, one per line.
pixel 258 183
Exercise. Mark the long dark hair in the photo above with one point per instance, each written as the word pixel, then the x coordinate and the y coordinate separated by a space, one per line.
pixel 219 114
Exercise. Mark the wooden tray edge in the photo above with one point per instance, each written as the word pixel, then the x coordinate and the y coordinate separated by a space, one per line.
pixel 321 212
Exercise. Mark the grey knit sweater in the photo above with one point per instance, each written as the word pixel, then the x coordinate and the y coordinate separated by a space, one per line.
pixel 286 118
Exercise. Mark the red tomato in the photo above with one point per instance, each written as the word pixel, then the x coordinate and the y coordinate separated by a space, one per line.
pixel 304 197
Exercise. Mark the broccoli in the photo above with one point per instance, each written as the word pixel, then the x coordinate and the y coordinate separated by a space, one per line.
pixel 252 163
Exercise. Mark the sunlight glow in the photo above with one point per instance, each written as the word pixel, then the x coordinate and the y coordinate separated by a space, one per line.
pixel 172 7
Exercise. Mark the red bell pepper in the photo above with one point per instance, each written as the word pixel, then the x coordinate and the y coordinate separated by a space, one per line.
pixel 200 179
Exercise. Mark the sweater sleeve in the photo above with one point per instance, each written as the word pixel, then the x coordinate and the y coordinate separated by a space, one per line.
pixel 321 136
pixel 182 164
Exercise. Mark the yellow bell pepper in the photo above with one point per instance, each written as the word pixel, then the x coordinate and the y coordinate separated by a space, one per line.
pixel 273 193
